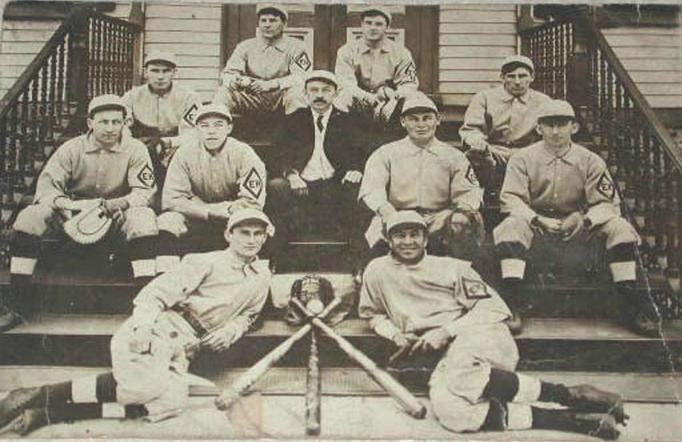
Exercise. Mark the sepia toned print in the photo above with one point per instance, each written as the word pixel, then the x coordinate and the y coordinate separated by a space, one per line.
pixel 227 220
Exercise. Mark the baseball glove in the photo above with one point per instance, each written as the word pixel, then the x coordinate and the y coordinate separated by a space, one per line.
pixel 89 226
pixel 306 289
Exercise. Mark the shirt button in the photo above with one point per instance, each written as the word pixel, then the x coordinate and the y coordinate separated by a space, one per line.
pixel 173 334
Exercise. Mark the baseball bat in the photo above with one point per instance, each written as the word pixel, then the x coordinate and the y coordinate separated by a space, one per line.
pixel 232 394
pixel 394 388
pixel 313 389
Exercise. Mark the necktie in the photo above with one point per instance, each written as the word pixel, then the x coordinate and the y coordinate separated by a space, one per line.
pixel 320 125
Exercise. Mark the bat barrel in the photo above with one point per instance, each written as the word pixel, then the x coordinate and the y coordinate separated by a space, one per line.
pixel 313 389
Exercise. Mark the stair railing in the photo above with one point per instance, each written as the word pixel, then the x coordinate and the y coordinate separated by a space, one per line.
pixel 574 61
pixel 89 54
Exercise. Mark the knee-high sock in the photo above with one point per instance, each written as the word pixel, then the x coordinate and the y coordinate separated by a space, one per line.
pixel 74 412
pixel 143 256
pixel 622 262
pixel 167 251
pixel 24 251
pixel 507 386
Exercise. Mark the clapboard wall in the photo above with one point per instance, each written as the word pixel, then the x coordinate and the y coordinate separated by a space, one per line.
pixel 192 32
pixel 653 58
pixel 473 40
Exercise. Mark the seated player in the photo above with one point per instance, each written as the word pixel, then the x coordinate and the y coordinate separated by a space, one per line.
pixel 104 167
pixel 162 111
pixel 265 73
pixel 375 72
pixel 422 173
pixel 500 120
pixel 209 301
pixel 211 177
pixel 321 156
pixel 558 188
pixel 428 303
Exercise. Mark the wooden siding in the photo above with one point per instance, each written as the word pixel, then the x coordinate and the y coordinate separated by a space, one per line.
pixel 193 34
pixel 473 40
pixel 653 57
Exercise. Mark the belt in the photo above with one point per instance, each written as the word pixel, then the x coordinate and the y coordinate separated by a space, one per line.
pixel 191 320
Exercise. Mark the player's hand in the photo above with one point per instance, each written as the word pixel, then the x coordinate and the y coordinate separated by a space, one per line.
pixel 67 204
pixel 548 225
pixel 501 154
pixel 219 211
pixel 572 225
pixel 116 205
pixel 352 176
pixel 141 341
pixel 385 93
pixel 219 340
pixel 459 222
pixel 386 211
pixel 297 184
pixel 434 339
pixel 262 86
pixel 404 339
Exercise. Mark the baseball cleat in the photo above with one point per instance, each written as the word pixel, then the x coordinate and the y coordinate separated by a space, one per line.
pixel 17 401
pixel 27 421
pixel 599 425
pixel 591 399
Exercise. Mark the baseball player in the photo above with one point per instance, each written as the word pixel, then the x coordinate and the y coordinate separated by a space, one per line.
pixel 209 301
pixel 103 167
pixel 266 72
pixel 560 189
pixel 502 119
pixel 161 111
pixel 422 173
pixel 428 303
pixel 375 72
pixel 210 177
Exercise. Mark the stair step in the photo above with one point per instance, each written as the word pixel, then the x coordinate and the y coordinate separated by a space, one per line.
pixel 546 344
pixel 352 381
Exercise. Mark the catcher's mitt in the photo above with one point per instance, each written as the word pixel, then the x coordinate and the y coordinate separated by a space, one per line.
pixel 306 289
pixel 89 226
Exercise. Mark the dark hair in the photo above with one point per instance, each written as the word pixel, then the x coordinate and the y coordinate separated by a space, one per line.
pixel 273 11
pixel 105 107
pixel 509 67
pixel 375 13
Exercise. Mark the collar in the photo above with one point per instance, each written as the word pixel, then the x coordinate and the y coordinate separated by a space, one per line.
pixel 92 145
pixel 414 149
pixel 569 156
pixel 508 98
pixel 217 151
pixel 382 46
pixel 165 94
pixel 398 263
pixel 325 116
pixel 235 262
pixel 263 44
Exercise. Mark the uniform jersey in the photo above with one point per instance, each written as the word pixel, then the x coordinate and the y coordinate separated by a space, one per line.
pixel 169 115
pixel 539 183
pixel 411 177
pixel 496 117
pixel 286 60
pixel 360 67
pixel 82 169
pixel 215 288
pixel 197 177
pixel 435 292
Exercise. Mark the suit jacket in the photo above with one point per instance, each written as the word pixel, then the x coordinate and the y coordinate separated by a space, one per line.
pixel 342 142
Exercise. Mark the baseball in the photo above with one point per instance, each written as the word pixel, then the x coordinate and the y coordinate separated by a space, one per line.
pixel 315 306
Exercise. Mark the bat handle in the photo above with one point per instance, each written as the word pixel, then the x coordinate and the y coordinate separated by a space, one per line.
pixel 313 389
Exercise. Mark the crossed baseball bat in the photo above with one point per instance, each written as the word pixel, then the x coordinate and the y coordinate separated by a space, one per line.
pixel 238 388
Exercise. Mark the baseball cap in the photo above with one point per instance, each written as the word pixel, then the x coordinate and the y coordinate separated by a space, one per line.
pixel 404 217
pixel 515 60
pixel 418 101
pixel 320 74
pixel 213 109
pixel 250 214
pixel 105 102
pixel 273 8
pixel 379 10
pixel 163 57
pixel 556 108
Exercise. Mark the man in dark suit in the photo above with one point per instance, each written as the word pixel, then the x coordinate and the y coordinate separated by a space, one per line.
pixel 320 158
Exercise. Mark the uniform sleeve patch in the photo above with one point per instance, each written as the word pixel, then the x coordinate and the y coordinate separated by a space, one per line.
pixel 303 61
pixel 605 186
pixel 253 183
pixel 190 114
pixel 475 289
pixel 411 72
pixel 471 176
pixel 146 176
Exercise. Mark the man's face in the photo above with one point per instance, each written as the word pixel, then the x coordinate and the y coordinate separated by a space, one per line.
pixel 320 95
pixel 420 126
pixel 374 27
pixel 159 76
pixel 270 26
pixel 213 130
pixel 246 239
pixel 517 82
pixel 557 131
pixel 408 243
pixel 106 126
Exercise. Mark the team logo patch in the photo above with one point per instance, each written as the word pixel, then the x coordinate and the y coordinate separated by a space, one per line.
pixel 190 115
pixel 411 72
pixel 475 289
pixel 471 176
pixel 253 183
pixel 146 176
pixel 605 186
pixel 303 61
